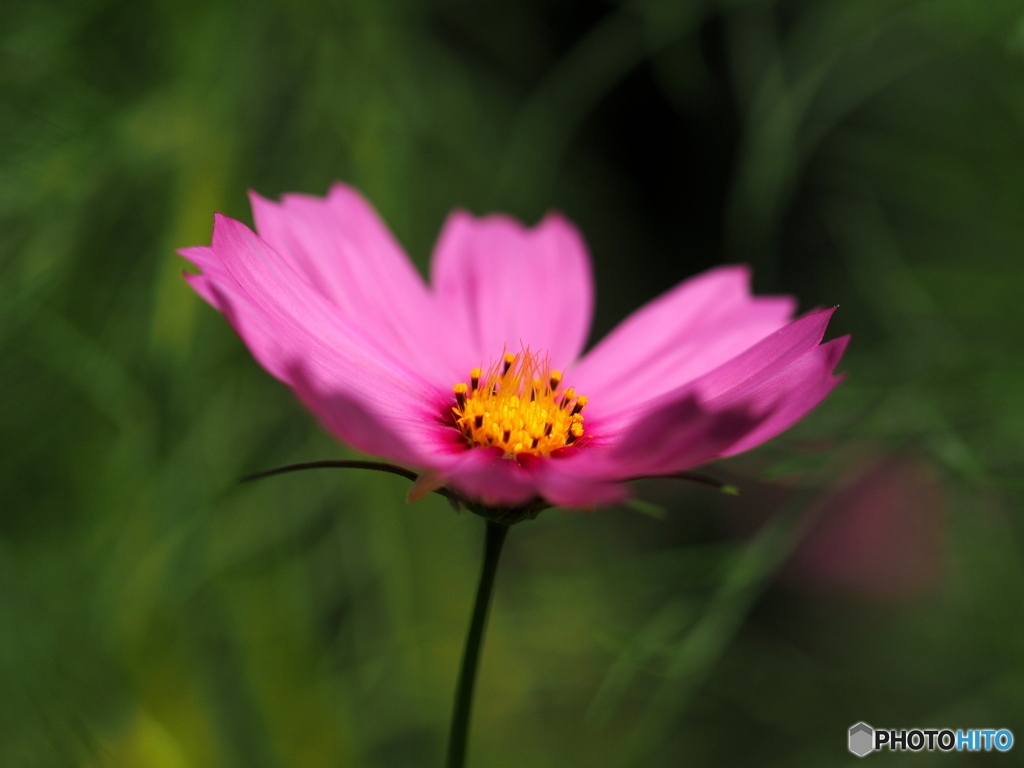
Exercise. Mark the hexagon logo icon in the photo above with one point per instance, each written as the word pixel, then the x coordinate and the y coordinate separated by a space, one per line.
pixel 862 739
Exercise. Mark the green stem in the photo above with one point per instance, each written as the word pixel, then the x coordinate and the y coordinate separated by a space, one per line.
pixel 459 733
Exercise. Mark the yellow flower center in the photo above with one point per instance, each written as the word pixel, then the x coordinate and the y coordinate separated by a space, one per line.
pixel 519 406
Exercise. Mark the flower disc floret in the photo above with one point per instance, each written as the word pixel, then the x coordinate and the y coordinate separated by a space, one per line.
pixel 519 407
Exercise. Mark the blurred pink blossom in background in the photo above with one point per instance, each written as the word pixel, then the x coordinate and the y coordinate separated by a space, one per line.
pixel 878 534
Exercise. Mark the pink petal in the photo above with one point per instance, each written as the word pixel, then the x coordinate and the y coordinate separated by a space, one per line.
pixel 697 326
pixel 483 474
pixel 510 285
pixel 766 358
pixel 566 490
pixel 680 435
pixel 342 248
pixel 733 408
pixel 404 433
pixel 488 476
pixel 359 390
pixel 793 393
pixel 675 436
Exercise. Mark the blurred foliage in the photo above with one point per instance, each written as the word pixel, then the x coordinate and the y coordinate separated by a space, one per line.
pixel 155 614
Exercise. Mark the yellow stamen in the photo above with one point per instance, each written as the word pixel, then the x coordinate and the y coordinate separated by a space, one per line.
pixel 516 408
pixel 460 394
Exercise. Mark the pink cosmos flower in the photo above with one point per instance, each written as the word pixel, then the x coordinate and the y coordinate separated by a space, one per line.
pixel 478 379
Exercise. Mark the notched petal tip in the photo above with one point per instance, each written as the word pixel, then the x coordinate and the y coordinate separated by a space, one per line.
pixel 341 189
pixel 836 350
pixel 258 202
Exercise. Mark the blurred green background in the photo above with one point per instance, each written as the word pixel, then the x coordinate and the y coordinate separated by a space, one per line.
pixel 156 614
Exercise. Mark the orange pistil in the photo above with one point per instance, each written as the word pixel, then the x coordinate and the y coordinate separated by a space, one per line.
pixel 518 406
